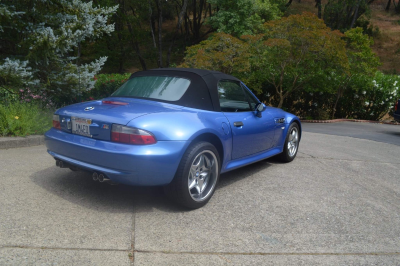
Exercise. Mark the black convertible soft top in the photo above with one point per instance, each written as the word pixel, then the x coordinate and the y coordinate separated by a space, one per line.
pixel 203 90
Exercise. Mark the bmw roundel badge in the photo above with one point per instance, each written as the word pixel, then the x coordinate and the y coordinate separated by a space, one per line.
pixel 89 108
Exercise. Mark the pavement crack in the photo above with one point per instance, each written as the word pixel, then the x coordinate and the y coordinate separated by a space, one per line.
pixel 133 235
pixel 221 254
pixel 58 248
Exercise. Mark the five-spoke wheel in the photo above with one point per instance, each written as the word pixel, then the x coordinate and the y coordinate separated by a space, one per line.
pixel 291 144
pixel 202 175
pixel 196 177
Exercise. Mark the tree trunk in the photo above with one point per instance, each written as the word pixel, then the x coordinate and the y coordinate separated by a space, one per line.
pixel 152 25
pixel 195 33
pixel 396 6
pixel 355 15
pixel 135 44
pixel 178 27
pixel 281 98
pixel 159 10
pixel 336 102
pixel 388 5
pixel 319 6
pixel 289 3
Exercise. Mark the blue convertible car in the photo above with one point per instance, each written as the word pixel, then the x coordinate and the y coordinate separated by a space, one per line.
pixel 177 128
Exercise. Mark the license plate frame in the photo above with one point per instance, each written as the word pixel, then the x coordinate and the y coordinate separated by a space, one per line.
pixel 81 126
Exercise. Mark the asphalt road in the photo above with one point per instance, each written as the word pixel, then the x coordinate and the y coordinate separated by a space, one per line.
pixel 337 203
pixel 377 132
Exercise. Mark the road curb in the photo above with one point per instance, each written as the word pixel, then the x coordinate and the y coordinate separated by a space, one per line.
pixel 19 142
pixel 349 120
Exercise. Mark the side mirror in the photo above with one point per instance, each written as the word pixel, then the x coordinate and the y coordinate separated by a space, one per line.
pixel 259 108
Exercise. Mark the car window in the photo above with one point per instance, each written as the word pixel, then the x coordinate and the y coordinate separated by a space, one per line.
pixel 154 87
pixel 251 99
pixel 232 97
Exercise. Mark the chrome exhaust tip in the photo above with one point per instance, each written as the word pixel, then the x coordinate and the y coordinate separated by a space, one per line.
pixel 95 176
pixel 102 178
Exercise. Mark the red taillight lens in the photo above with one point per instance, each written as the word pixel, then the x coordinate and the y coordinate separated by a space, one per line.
pixel 131 135
pixel 56 121
pixel 395 106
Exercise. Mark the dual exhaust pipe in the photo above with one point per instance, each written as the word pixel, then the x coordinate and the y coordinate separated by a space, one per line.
pixel 100 177
pixel 95 176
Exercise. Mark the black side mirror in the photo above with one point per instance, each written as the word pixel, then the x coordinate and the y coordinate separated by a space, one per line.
pixel 259 108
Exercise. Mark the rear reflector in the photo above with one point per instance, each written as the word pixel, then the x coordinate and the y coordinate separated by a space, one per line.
pixel 56 121
pixel 131 135
pixel 114 102
pixel 396 105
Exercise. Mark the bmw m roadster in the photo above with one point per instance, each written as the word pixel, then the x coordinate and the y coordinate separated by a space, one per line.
pixel 177 128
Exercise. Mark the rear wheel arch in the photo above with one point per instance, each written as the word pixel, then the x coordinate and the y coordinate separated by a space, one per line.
pixel 214 140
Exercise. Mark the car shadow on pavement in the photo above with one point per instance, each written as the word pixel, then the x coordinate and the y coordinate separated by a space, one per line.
pixel 79 188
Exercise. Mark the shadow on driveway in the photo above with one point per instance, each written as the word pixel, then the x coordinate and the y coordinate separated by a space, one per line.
pixel 79 188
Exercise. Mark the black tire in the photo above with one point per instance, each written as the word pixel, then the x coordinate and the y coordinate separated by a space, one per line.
pixel 178 190
pixel 286 156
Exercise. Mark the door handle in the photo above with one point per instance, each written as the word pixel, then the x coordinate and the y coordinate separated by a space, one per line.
pixel 238 124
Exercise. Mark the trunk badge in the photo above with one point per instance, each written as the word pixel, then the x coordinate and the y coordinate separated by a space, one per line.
pixel 89 108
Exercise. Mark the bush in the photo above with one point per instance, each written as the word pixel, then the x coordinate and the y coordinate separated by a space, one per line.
pixel 23 119
pixel 364 98
pixel 105 85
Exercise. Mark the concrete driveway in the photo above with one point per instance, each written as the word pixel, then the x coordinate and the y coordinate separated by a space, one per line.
pixel 338 203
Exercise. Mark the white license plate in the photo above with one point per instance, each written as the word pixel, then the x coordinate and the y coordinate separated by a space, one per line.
pixel 81 126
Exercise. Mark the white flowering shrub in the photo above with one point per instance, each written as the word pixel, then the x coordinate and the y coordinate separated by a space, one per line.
pixel 364 98
pixel 49 35
pixel 371 100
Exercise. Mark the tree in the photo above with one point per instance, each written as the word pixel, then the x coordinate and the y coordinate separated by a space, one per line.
pixel 221 52
pixel 297 49
pixel 243 17
pixel 343 14
pixel 45 38
pixel 363 63
pixel 395 5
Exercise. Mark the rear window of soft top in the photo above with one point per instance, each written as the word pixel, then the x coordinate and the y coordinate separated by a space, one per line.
pixel 164 88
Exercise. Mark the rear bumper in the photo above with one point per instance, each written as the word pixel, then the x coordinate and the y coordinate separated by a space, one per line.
pixel 396 117
pixel 147 165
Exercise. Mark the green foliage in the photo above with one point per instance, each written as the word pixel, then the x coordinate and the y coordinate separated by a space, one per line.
pixel 365 97
pixel 243 17
pixel 298 49
pixel 340 14
pixel 22 119
pixel 41 43
pixel 221 52
pixel 105 85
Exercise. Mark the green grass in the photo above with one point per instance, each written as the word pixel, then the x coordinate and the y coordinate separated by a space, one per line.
pixel 23 119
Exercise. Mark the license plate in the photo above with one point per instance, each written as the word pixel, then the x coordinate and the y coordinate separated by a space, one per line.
pixel 81 126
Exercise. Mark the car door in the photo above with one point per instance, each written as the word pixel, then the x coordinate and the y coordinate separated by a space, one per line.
pixel 251 133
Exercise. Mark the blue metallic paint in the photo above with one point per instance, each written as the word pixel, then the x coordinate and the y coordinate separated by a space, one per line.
pixel 175 127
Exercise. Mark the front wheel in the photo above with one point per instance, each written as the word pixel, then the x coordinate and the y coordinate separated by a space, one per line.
pixel 291 144
pixel 197 176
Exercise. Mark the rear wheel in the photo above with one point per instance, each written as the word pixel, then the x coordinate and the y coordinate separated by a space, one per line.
pixel 197 176
pixel 291 144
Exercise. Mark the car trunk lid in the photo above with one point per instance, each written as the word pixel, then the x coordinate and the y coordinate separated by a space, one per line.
pixel 95 118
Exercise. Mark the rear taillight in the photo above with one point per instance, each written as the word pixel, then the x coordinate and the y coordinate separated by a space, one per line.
pixel 56 121
pixel 395 106
pixel 131 135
